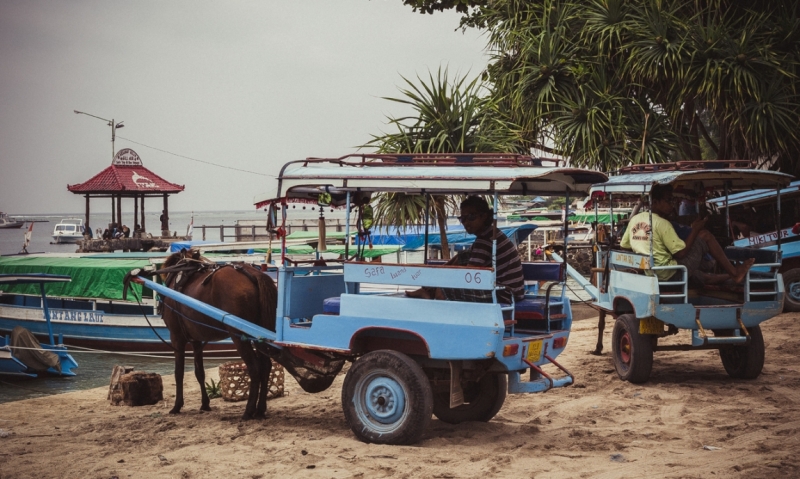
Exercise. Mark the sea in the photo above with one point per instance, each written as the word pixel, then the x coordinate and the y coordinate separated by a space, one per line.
pixel 94 370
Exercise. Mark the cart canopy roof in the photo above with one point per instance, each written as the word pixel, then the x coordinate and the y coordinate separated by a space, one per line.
pixel 708 175
pixel 757 196
pixel 506 174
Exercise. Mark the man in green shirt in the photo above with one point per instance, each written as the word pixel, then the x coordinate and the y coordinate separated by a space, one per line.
pixel 670 250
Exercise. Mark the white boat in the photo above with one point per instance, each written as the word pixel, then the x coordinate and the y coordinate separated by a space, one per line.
pixel 7 222
pixel 68 230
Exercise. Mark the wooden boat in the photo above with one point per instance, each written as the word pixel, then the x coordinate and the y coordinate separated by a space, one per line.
pixel 6 222
pixel 23 356
pixel 89 311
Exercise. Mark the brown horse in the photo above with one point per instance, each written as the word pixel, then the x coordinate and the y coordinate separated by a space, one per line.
pixel 239 289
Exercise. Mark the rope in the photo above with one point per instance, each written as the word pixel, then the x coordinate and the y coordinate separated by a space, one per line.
pixel 190 319
pixel 149 323
pixel 27 389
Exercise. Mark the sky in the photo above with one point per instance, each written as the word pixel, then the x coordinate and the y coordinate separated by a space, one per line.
pixel 246 84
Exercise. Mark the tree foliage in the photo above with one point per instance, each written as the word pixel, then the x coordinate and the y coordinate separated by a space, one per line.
pixel 447 116
pixel 613 82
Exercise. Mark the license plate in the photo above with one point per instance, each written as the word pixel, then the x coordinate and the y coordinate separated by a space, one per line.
pixel 651 326
pixel 535 351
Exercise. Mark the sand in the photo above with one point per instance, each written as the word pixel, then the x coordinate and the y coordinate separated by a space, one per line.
pixel 689 420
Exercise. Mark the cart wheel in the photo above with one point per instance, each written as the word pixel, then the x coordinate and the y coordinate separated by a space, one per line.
pixel 387 398
pixel 633 352
pixel 482 398
pixel 791 286
pixel 744 362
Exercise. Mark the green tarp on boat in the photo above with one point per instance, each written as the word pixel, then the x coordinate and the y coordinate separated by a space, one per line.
pixel 91 278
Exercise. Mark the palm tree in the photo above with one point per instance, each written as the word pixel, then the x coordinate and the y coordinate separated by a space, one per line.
pixel 458 116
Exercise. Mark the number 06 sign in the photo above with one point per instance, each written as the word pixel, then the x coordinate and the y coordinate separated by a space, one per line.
pixel 419 275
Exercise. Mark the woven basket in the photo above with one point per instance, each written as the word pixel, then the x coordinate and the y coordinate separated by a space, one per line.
pixel 234 382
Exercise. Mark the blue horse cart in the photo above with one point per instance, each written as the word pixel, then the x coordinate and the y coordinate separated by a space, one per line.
pixel 757 211
pixel 725 317
pixel 414 358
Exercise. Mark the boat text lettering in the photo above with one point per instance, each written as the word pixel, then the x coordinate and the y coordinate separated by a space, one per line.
pixel 76 316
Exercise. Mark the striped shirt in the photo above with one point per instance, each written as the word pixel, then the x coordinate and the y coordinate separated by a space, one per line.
pixel 509 269
pixel 509 266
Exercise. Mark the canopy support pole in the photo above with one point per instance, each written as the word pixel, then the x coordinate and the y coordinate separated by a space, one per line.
pixel 427 218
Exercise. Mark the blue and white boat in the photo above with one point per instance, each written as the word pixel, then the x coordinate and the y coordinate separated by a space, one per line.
pixel 24 357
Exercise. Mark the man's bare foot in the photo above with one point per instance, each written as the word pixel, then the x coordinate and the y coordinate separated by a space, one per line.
pixel 742 269
pixel 421 293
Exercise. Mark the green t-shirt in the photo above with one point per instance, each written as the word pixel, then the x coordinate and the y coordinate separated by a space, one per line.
pixel 665 241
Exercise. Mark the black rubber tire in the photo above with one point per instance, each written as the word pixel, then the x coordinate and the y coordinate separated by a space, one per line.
pixel 387 398
pixel 790 304
pixel 744 362
pixel 483 399
pixel 633 352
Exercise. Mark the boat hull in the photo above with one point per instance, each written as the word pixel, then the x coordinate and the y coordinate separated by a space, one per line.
pixel 16 225
pixel 60 239
pixel 101 331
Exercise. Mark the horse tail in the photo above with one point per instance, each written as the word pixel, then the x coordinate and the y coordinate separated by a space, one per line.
pixel 268 300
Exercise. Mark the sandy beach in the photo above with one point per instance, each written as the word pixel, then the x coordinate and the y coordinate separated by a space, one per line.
pixel 690 420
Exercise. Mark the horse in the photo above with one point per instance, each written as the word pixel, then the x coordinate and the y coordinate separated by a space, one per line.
pixel 237 288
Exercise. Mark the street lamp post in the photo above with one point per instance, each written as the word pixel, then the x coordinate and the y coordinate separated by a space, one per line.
pixel 111 123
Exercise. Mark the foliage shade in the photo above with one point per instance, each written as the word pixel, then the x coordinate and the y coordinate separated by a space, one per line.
pixel 613 82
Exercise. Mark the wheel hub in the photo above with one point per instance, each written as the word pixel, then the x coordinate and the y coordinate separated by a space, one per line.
pixel 794 290
pixel 625 348
pixel 385 400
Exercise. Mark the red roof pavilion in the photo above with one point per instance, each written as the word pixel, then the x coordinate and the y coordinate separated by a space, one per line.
pixel 126 177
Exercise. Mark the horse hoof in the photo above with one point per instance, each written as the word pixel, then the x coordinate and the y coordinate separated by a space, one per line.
pixel 597 352
pixel 174 411
pixel 205 408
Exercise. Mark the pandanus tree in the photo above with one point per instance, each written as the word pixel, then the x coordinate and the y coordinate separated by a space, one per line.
pixel 613 82
pixel 446 116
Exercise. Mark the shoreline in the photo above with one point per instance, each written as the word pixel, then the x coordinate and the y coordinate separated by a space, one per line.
pixel 689 420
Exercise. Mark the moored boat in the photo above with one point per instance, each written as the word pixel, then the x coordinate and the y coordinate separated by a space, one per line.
pixel 7 222
pixel 68 230
pixel 89 311
pixel 20 354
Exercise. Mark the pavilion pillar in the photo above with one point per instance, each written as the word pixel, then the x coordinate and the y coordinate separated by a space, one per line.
pixel 86 223
pixel 165 223
pixel 119 211
pixel 142 222
pixel 113 210
pixel 135 211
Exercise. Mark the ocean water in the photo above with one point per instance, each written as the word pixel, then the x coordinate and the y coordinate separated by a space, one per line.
pixel 11 240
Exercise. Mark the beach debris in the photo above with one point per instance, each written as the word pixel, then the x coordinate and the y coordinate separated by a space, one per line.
pixel 162 458
pixel 711 448
pixel 138 388
pixel 4 433
pixel 618 458
pixel 116 373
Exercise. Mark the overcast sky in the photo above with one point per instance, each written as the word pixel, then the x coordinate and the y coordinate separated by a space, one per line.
pixel 250 85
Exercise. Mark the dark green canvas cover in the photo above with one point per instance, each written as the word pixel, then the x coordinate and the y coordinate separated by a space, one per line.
pixel 91 278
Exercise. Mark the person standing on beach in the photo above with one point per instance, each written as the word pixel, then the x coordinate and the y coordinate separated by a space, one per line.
pixel 164 221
